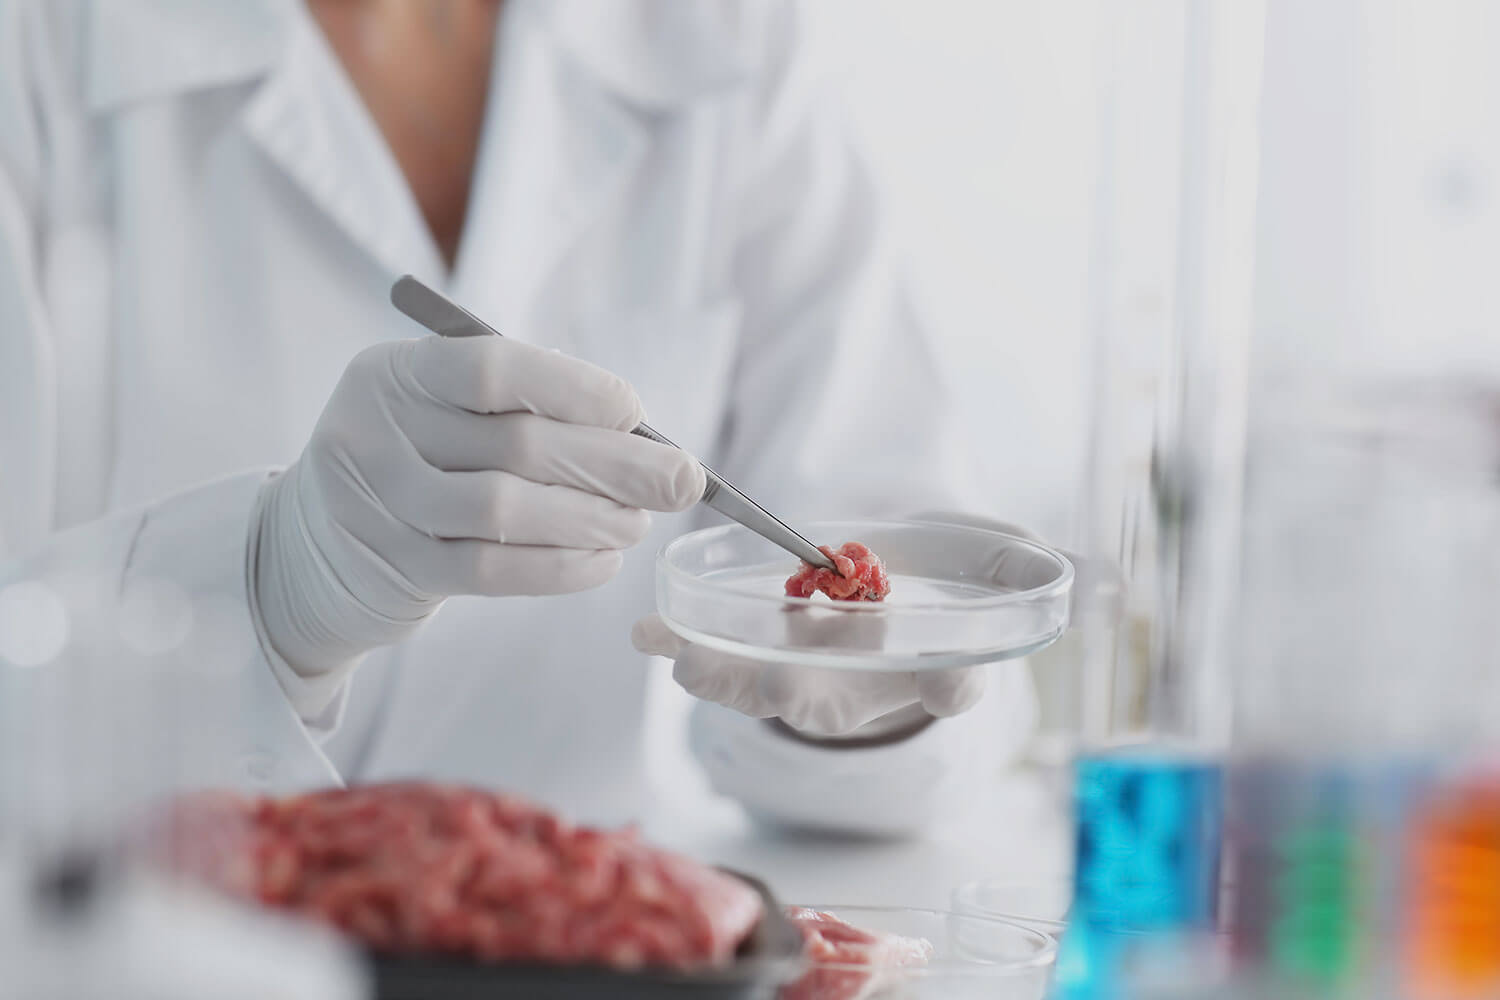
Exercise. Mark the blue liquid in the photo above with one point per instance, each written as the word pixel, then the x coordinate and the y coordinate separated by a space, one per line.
pixel 1146 864
pixel 1147 849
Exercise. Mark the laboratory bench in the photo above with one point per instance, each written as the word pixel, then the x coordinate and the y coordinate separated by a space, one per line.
pixel 1017 828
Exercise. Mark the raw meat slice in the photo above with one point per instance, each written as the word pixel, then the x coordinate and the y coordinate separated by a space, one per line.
pixel 861 576
pixel 848 963
pixel 414 868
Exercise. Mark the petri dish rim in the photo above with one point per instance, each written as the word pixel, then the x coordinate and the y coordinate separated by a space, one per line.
pixel 969 898
pixel 1061 583
pixel 845 661
pixel 1045 957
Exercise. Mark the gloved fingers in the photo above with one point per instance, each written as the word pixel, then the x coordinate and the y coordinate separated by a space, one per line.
pixel 945 693
pixel 730 681
pixel 825 702
pixel 625 467
pixel 817 701
pixel 492 570
pixel 503 507
pixel 651 636
pixel 501 375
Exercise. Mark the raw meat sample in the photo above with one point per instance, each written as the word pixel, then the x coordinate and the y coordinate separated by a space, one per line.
pixel 424 869
pixel 854 962
pixel 861 576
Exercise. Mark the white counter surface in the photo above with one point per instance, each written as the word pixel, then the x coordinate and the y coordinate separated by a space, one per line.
pixel 1016 830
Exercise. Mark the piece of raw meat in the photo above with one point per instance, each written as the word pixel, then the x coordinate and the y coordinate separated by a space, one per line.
pixel 848 963
pixel 861 576
pixel 414 868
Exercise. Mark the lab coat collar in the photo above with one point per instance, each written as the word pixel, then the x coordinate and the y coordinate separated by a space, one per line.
pixel 557 149
pixel 577 89
pixel 142 49
pixel 149 49
pixel 309 119
pixel 656 53
pixel 593 74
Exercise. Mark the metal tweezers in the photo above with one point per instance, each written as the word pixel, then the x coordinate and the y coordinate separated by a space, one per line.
pixel 448 319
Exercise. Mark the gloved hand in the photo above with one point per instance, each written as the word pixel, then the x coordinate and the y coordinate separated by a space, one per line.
pixel 441 466
pixel 818 701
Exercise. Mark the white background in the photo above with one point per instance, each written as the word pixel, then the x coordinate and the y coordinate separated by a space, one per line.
pixel 1378 242
pixel 981 116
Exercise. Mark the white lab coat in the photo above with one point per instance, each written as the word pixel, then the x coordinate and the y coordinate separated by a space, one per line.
pixel 199 223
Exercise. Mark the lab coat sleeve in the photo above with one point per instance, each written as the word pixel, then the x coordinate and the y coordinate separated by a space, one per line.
pixel 839 409
pixel 159 592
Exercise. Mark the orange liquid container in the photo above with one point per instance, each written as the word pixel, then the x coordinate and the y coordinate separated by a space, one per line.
pixel 1453 916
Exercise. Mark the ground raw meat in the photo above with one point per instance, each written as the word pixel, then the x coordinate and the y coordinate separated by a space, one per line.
pixel 422 869
pixel 861 576
pixel 854 962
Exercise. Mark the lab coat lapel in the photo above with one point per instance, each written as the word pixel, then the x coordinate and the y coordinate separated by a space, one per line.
pixel 304 112
pixel 311 122
pixel 28 429
pixel 557 148
pixel 144 49
pixel 577 88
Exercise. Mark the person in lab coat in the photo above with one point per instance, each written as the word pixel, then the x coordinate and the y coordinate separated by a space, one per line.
pixel 412 556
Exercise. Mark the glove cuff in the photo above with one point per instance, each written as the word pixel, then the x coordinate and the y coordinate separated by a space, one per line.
pixel 312 629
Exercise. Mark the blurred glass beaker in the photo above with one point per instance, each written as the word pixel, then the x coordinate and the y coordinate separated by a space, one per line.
pixel 1366 651
pixel 1372 567
pixel 122 682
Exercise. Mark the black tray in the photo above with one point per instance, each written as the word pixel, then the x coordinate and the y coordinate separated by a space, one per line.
pixel 763 963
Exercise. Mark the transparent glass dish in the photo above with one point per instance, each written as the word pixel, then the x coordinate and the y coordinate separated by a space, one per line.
pixel 960 595
pixel 972 956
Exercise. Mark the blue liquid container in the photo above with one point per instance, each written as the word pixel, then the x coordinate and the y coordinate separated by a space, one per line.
pixel 1146 864
pixel 1148 836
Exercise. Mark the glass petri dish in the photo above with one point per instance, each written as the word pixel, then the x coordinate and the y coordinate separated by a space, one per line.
pixel 960 595
pixel 972 956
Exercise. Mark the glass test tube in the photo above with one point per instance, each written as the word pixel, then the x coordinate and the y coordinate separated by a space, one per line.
pixel 1451 946
pixel 1172 288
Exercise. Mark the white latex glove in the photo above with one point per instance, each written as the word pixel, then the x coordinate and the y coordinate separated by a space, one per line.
pixel 442 466
pixel 818 701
